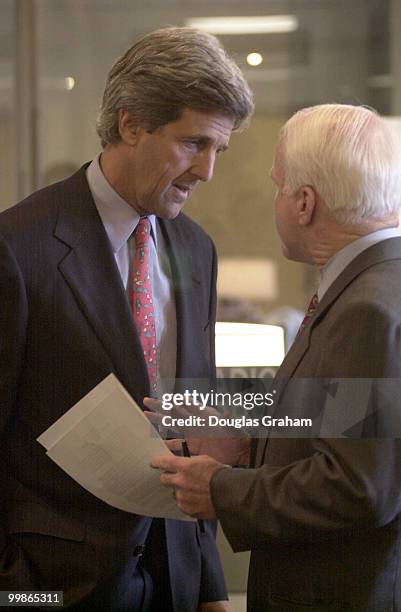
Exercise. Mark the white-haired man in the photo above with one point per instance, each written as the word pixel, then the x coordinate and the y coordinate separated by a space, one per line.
pixel 322 516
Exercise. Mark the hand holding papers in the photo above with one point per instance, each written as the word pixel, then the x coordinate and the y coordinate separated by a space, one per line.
pixel 224 444
pixel 106 444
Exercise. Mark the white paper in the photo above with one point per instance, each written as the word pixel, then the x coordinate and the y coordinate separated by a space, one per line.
pixel 106 444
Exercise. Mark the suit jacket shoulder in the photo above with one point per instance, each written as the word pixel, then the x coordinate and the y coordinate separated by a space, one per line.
pixel 68 202
pixel 355 330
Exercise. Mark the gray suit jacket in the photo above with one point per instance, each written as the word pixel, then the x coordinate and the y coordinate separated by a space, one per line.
pixel 323 516
pixel 65 324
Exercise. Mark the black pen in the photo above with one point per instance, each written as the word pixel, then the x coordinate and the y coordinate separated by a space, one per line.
pixel 186 453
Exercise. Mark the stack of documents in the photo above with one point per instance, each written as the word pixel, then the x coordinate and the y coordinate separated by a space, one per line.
pixel 106 444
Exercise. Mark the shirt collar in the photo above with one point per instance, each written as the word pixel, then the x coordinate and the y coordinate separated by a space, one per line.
pixel 340 260
pixel 118 217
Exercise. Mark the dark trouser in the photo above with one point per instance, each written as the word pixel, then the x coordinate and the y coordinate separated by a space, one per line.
pixel 154 562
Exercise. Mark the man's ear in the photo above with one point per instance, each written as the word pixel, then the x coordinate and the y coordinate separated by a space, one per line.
pixel 306 204
pixel 127 127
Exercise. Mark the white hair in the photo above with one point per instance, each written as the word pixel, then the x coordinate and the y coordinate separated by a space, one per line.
pixel 349 156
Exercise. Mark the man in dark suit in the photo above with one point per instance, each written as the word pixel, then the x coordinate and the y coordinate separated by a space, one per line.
pixel 66 273
pixel 322 515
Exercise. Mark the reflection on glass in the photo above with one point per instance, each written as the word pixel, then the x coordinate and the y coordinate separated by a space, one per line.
pixel 7 105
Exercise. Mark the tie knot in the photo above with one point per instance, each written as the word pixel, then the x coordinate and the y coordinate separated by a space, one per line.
pixel 313 304
pixel 309 313
pixel 142 232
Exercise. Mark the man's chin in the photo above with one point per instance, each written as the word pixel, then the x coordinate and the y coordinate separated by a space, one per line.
pixel 170 211
pixel 285 251
pixel 296 255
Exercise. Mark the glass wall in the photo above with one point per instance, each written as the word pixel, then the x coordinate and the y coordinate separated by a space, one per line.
pixel 8 175
pixel 333 50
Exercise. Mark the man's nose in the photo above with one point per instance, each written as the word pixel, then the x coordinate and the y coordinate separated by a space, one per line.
pixel 203 166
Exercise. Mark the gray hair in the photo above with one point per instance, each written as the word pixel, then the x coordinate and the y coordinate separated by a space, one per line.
pixel 349 156
pixel 167 71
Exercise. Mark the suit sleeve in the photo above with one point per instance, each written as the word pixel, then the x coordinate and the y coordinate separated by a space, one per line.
pixel 13 320
pixel 342 485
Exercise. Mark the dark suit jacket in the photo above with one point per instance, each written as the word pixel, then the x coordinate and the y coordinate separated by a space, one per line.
pixel 323 516
pixel 65 324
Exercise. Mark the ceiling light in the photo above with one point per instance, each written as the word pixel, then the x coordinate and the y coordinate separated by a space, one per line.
pixel 69 82
pixel 266 24
pixel 254 59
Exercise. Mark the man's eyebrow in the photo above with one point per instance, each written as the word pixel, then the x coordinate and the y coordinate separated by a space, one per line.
pixel 202 139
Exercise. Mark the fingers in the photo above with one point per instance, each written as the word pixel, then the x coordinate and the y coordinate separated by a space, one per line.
pixel 170 480
pixel 153 404
pixel 172 476
pixel 174 445
pixel 170 463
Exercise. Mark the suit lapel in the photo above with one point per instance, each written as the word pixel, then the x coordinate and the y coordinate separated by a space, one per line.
pixel 187 284
pixel 379 252
pixel 92 275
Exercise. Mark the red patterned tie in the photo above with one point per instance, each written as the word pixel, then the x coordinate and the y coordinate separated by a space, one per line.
pixel 142 300
pixel 311 309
